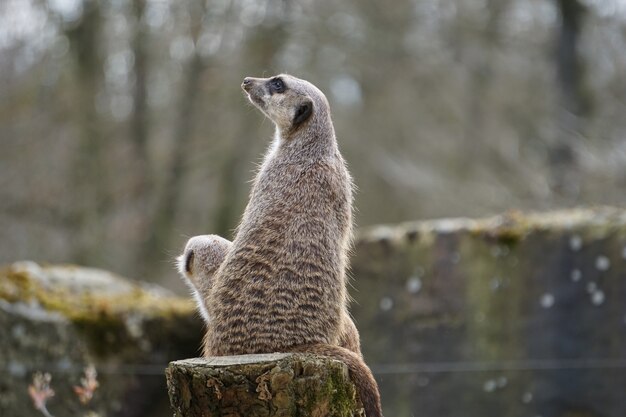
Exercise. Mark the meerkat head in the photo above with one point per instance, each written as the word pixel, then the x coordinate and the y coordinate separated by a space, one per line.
pixel 201 257
pixel 288 101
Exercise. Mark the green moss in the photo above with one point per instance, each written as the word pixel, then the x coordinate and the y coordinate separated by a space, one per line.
pixel 336 397
pixel 100 317
pixel 14 286
pixel 508 237
pixel 508 229
pixel 341 392
pixel 105 336
pixel 18 286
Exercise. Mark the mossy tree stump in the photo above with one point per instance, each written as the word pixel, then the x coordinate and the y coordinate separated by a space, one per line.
pixel 272 385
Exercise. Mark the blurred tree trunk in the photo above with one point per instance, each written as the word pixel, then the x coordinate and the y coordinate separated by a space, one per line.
pixel 169 196
pixel 481 74
pixel 142 181
pixel 570 65
pixel 168 202
pixel 260 51
pixel 139 122
pixel 89 170
pixel 573 103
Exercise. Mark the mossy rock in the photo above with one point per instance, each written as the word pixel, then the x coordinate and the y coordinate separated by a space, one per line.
pixel 61 318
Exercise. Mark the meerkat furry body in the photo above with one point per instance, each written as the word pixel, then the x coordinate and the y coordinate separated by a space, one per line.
pixel 280 286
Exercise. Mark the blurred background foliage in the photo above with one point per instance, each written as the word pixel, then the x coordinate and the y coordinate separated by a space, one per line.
pixel 123 129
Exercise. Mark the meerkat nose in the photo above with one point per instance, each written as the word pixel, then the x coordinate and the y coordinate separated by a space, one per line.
pixel 246 82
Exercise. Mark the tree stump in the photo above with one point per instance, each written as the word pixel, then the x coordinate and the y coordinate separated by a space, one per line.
pixel 271 385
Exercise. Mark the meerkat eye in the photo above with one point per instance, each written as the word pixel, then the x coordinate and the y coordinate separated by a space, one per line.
pixel 277 86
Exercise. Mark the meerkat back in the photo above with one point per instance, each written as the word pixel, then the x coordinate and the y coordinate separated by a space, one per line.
pixel 283 282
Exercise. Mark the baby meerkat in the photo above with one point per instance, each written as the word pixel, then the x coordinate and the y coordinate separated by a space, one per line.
pixel 280 286
pixel 202 256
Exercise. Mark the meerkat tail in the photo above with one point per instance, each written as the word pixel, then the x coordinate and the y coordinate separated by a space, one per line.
pixel 349 336
pixel 366 385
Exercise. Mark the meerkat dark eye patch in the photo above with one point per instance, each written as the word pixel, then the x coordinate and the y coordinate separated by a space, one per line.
pixel 189 261
pixel 303 112
pixel 276 85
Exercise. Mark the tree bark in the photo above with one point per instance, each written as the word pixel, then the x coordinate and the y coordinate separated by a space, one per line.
pixel 573 102
pixel 168 199
pixel 270 385
pixel 89 171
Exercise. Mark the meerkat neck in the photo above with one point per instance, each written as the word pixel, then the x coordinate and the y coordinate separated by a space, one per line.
pixel 316 140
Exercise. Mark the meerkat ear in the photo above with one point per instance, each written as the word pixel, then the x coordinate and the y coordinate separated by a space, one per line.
pixel 303 112
pixel 189 262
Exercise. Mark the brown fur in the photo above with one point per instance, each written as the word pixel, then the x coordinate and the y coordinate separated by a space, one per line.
pixel 282 284
pixel 200 260
pixel 197 265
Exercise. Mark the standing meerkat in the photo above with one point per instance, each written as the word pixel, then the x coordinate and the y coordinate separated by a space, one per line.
pixel 280 286
pixel 200 260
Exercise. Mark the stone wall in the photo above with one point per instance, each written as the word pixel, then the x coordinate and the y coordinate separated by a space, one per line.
pixel 516 316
